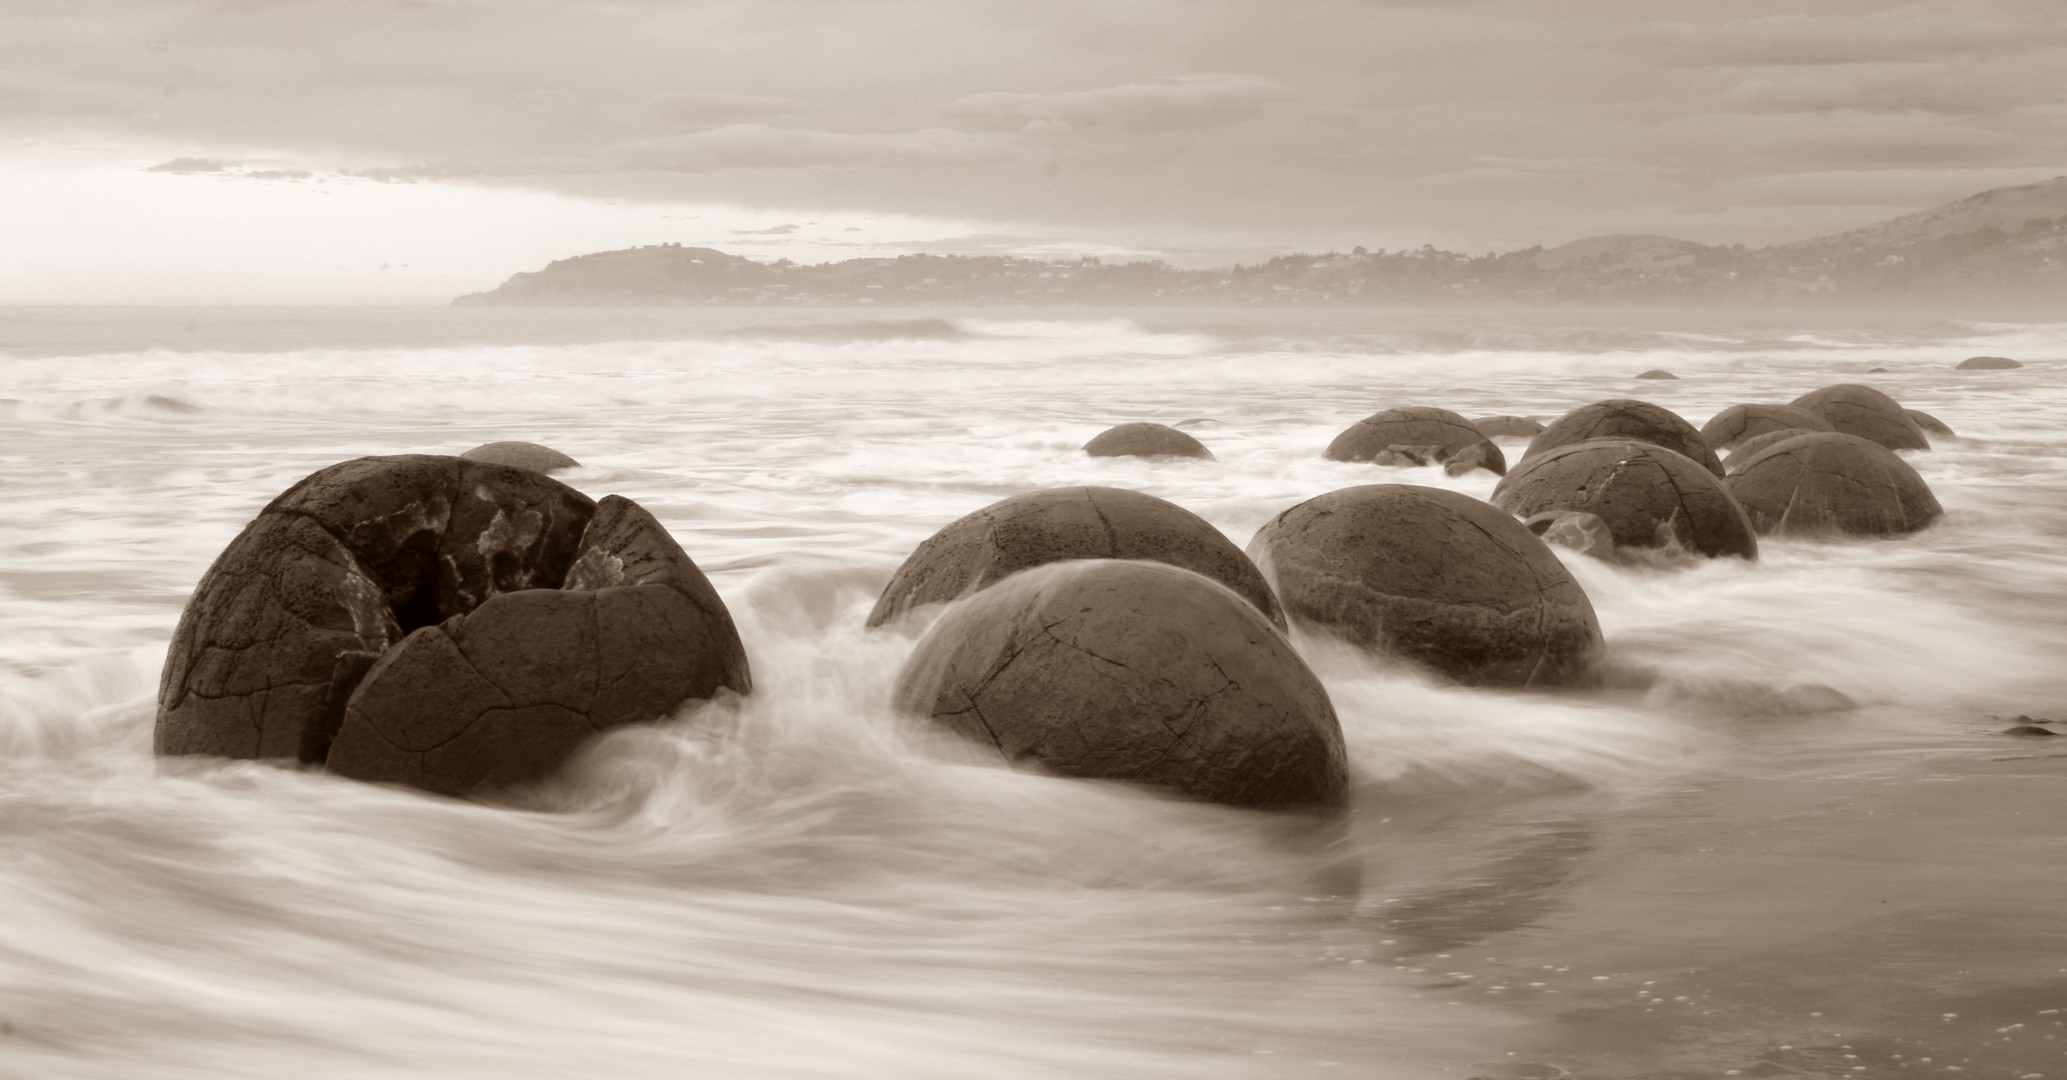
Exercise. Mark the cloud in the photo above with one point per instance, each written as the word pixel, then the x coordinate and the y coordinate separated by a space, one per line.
pixel 1185 103
pixel 713 108
pixel 758 146
pixel 1906 33
pixel 191 165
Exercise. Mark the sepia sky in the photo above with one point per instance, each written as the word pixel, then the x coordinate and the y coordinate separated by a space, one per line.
pixel 405 150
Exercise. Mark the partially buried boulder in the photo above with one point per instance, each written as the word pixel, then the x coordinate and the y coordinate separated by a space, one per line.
pixel 1930 424
pixel 1756 445
pixel 1853 409
pixel 1659 374
pixel 1987 363
pixel 521 455
pixel 1507 427
pixel 1624 418
pixel 1740 422
pixel 380 589
pixel 1135 671
pixel 1435 577
pixel 1040 527
pixel 1647 496
pixel 1146 440
pixel 1826 483
pixel 1417 435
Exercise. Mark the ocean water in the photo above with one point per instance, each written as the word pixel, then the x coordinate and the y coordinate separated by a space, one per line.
pixel 1791 840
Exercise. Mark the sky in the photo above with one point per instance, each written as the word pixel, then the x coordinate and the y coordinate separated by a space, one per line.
pixel 405 151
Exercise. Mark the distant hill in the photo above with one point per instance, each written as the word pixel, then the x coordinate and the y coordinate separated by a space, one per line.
pixel 2005 244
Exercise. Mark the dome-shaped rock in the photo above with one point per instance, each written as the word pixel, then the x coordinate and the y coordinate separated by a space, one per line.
pixel 1059 524
pixel 1507 427
pixel 1755 445
pixel 1740 422
pixel 1417 435
pixel 1659 374
pixel 1146 440
pixel 1433 576
pixel 1647 495
pixel 1930 424
pixel 1853 409
pixel 1582 532
pixel 1624 418
pixel 521 455
pixel 1827 482
pixel 1135 671
pixel 1987 363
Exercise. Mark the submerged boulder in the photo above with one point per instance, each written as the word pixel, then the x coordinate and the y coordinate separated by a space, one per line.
pixel 1507 427
pixel 1930 424
pixel 1624 418
pixel 1135 671
pixel 1647 496
pixel 521 455
pixel 1740 422
pixel 1986 363
pixel 1853 409
pixel 1146 440
pixel 1059 524
pixel 1433 576
pixel 1417 435
pixel 337 596
pixel 1658 373
pixel 1823 483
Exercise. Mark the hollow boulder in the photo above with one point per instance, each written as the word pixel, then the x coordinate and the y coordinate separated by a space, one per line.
pixel 1987 363
pixel 1435 577
pixel 1417 434
pixel 1853 409
pixel 1930 424
pixel 1647 496
pixel 1507 427
pixel 1059 524
pixel 1740 422
pixel 1135 671
pixel 1624 418
pixel 521 455
pixel 1825 483
pixel 1148 441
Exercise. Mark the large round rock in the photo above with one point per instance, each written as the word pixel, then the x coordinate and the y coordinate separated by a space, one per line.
pixel 1436 577
pixel 1987 363
pixel 1647 495
pixel 1756 445
pixel 1147 441
pixel 1136 671
pixel 1625 418
pixel 1930 425
pixel 1740 422
pixel 1417 434
pixel 1826 483
pixel 1042 527
pixel 1853 409
pixel 1507 427
pixel 521 455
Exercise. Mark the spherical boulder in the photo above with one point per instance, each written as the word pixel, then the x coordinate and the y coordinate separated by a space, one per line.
pixel 1853 409
pixel 1435 577
pixel 1987 363
pixel 1582 532
pixel 1624 418
pixel 1135 671
pixel 1930 424
pixel 1825 483
pixel 1755 445
pixel 329 602
pixel 521 455
pixel 1148 441
pixel 1417 435
pixel 1740 422
pixel 1659 374
pixel 1059 524
pixel 1647 495
pixel 1507 427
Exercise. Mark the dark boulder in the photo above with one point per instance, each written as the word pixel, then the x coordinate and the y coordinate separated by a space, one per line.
pixel 1135 671
pixel 1148 441
pixel 1930 424
pixel 1582 532
pixel 1853 409
pixel 1435 577
pixel 1740 422
pixel 1507 427
pixel 1623 418
pixel 1986 363
pixel 1755 445
pixel 1825 482
pixel 1647 495
pixel 1418 434
pixel 1659 373
pixel 1042 527
pixel 521 455
pixel 1877 371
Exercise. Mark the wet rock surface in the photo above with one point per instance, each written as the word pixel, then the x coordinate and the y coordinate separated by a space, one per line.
pixel 1582 532
pixel 1507 427
pixel 521 455
pixel 1987 363
pixel 1626 418
pixel 1405 436
pixel 1148 441
pixel 1135 671
pixel 1646 495
pixel 1435 577
pixel 1931 425
pixel 1060 524
pixel 1752 447
pixel 1826 483
pixel 1740 422
pixel 1854 409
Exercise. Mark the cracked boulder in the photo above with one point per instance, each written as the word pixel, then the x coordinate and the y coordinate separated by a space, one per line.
pixel 1853 409
pixel 1756 445
pixel 1825 483
pixel 1507 427
pixel 1147 441
pixel 521 455
pixel 1626 418
pixel 1059 524
pixel 1417 434
pixel 1584 533
pixel 334 585
pixel 1435 577
pixel 1740 422
pixel 1647 496
pixel 1133 671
